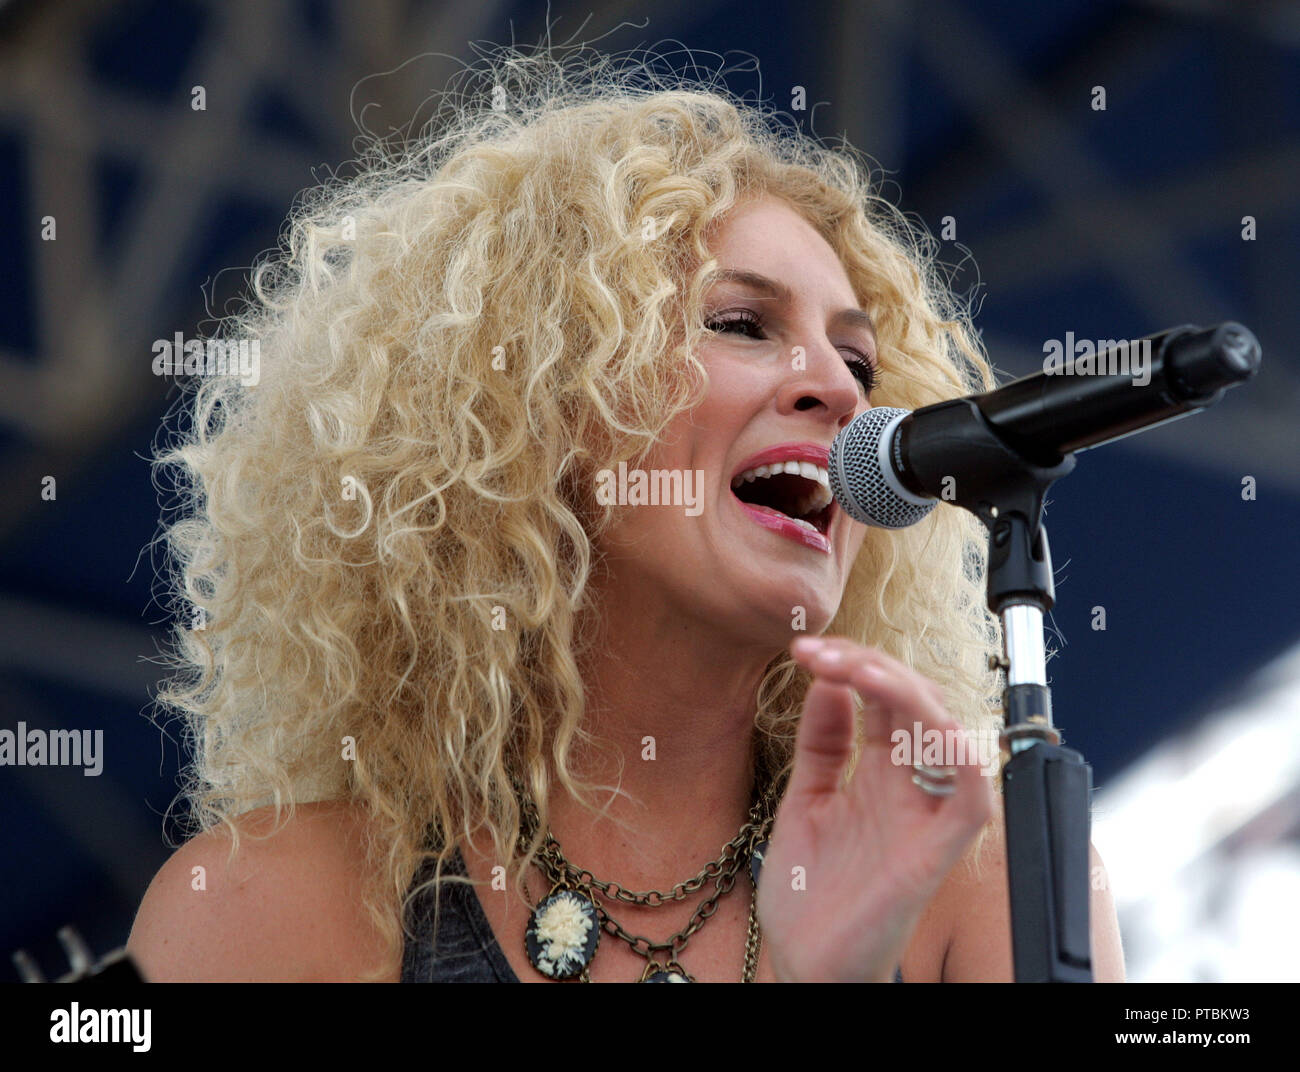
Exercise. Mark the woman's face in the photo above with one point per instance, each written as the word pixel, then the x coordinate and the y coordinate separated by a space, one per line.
pixel 789 365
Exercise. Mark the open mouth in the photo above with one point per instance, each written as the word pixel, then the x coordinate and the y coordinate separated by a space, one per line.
pixel 799 490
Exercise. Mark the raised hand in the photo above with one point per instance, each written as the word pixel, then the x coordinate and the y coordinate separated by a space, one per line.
pixel 875 851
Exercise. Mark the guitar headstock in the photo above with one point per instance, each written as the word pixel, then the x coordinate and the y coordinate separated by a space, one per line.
pixel 116 967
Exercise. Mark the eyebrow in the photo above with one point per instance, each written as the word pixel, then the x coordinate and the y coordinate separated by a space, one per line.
pixel 856 318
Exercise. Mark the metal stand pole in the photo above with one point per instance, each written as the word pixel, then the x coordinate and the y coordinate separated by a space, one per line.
pixel 1047 790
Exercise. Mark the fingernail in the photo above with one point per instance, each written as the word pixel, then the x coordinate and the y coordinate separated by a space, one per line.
pixel 810 645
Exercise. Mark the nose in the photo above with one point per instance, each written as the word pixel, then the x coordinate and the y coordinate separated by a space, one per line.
pixel 820 380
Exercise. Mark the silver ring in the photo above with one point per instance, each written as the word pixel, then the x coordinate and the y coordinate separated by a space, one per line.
pixel 936 781
pixel 938 774
pixel 935 789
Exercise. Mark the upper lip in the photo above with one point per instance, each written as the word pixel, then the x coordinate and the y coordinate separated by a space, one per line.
pixel 788 452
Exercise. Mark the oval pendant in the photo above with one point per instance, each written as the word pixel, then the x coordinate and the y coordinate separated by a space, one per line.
pixel 665 977
pixel 562 935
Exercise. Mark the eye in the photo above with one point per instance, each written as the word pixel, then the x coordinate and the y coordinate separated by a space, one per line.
pixel 864 369
pixel 750 324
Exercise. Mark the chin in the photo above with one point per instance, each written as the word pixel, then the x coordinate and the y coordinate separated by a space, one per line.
pixel 782 613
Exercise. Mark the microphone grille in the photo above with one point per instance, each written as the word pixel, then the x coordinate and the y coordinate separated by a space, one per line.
pixel 862 475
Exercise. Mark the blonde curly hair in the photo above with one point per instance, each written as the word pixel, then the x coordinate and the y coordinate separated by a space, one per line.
pixel 453 342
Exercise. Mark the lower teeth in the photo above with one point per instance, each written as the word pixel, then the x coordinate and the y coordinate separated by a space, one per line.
pixel 806 524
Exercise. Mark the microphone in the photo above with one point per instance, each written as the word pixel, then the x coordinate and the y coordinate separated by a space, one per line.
pixel 890 466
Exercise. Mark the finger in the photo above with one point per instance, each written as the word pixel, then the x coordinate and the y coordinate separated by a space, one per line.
pixel 894 695
pixel 891 691
pixel 841 649
pixel 895 701
pixel 825 740
pixel 928 684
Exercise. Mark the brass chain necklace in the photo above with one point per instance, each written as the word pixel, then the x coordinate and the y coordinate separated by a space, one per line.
pixel 565 928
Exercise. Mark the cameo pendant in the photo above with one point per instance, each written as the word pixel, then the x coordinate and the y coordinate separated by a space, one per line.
pixel 562 934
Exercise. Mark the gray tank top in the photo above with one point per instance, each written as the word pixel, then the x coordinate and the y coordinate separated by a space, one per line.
pixel 467 950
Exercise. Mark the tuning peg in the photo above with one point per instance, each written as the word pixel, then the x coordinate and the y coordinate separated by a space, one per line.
pixel 117 967
pixel 28 972
pixel 80 958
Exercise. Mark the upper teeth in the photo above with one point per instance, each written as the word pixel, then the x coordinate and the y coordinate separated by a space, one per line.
pixel 818 500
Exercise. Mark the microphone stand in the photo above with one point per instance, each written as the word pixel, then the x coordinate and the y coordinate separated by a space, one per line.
pixel 1046 787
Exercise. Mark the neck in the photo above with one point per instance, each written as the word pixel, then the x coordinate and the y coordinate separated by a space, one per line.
pixel 674 698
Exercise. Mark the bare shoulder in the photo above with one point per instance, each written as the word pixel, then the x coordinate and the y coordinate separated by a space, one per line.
pixel 288 907
pixel 975 905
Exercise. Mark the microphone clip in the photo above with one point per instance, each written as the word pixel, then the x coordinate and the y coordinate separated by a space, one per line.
pixel 999 484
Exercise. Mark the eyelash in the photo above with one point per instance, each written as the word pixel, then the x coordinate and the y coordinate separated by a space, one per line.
pixel 863 368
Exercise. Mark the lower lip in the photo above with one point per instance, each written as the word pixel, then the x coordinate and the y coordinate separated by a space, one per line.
pixel 779 522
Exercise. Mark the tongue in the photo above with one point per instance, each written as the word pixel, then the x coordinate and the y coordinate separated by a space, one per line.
pixel 770 510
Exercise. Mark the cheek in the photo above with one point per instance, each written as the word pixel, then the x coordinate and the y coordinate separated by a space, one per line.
pixel 738 388
pixel 857 538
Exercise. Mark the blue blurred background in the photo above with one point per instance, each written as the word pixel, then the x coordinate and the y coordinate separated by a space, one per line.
pixel 1110 222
